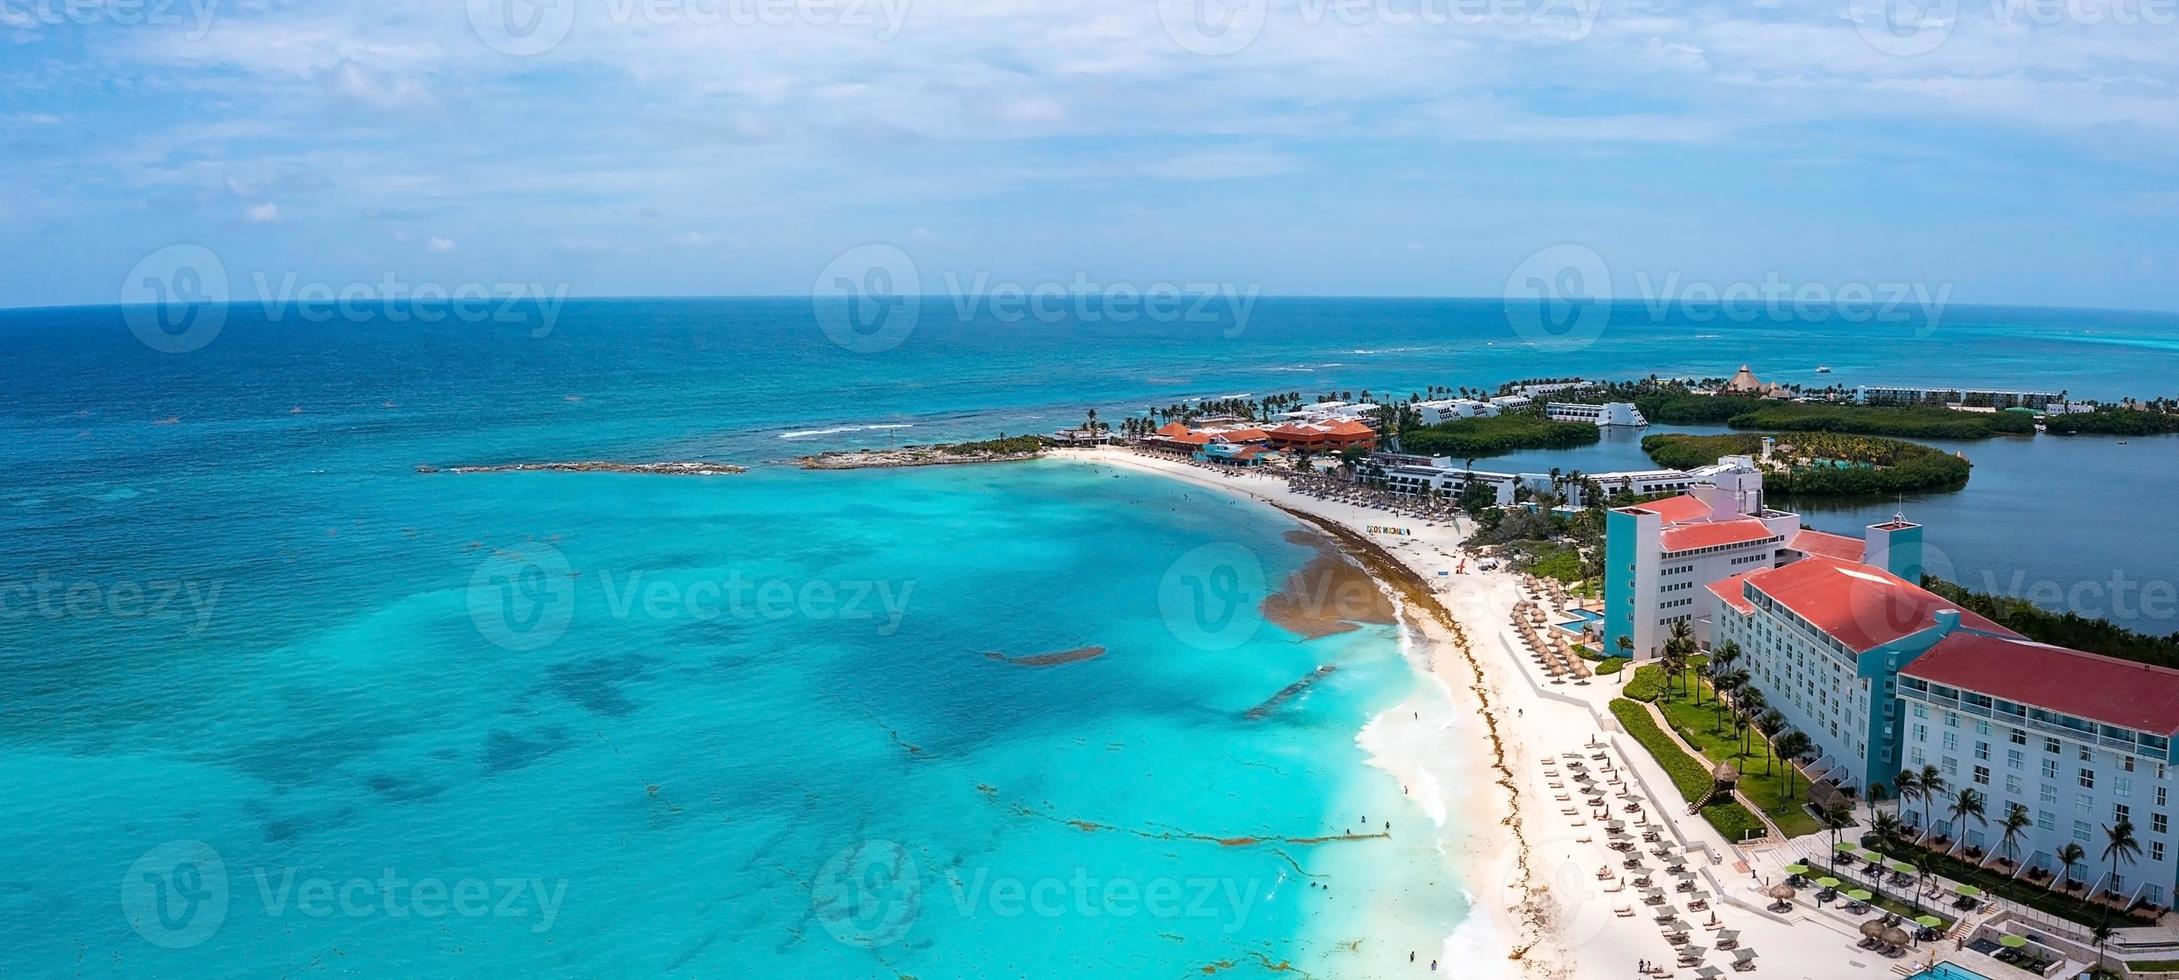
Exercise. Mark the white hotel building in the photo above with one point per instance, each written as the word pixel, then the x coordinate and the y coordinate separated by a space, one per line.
pixel 1661 555
pixel 1882 674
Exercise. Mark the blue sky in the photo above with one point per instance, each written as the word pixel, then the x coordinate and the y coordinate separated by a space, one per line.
pixel 2011 151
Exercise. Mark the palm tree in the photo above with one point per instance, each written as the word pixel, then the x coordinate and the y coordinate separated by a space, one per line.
pixel 1933 786
pixel 1836 817
pixel 1791 745
pixel 2119 846
pixel 2070 856
pixel 1750 704
pixel 1887 829
pixel 1770 724
pixel 2102 935
pixel 1968 805
pixel 1908 784
pixel 2014 827
pixel 1721 685
pixel 1672 660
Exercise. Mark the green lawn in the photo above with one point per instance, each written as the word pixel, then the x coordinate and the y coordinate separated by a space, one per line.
pixel 1783 800
pixel 2031 895
pixel 1688 774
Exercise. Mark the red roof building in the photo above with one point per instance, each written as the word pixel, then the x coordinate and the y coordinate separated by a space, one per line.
pixel 1828 545
pixel 2101 689
pixel 1860 606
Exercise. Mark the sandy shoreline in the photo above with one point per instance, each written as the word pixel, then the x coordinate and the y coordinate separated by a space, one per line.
pixel 1429 745
pixel 1478 749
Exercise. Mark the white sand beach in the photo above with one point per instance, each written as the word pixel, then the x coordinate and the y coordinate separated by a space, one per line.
pixel 1484 750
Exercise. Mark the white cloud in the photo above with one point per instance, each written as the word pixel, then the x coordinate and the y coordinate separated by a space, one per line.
pixel 261 214
pixel 441 244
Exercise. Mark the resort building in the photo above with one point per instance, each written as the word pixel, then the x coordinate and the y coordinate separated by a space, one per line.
pixel 1511 403
pixel 1662 557
pixel 1551 388
pixel 1822 638
pixel 1447 409
pixel 1413 474
pixel 1322 437
pixel 1957 397
pixel 1609 413
pixel 2080 741
pixel 1330 411
pixel 1882 674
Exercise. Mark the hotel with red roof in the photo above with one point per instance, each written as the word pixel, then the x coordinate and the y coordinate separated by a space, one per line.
pixel 1662 556
pixel 1882 675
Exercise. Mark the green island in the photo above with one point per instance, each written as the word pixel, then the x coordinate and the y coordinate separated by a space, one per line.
pixel 1674 403
pixel 1822 464
pixel 2113 421
pixel 2067 629
pixel 1471 438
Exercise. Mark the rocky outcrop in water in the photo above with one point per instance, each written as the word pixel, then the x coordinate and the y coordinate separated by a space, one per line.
pixel 599 466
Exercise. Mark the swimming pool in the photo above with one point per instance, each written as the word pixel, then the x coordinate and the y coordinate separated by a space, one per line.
pixel 1577 625
pixel 1948 971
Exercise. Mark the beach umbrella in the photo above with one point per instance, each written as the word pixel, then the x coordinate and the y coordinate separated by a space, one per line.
pixel 1709 973
pixel 1781 892
pixel 1896 936
pixel 1796 869
pixel 1928 921
pixel 1872 929
pixel 1846 847
pixel 1827 882
pixel 1743 955
pixel 1900 866
pixel 1859 894
pixel 2012 941
pixel 1970 891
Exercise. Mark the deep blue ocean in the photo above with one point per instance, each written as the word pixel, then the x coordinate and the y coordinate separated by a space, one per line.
pixel 278 704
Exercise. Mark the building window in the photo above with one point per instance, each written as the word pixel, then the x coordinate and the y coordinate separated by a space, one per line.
pixel 1951 741
pixel 2050 745
pixel 2050 768
pixel 2050 793
pixel 1982 751
pixel 2121 813
pixel 2088 779
pixel 1982 775
pixel 2013 759
pixel 2019 737
pixel 1950 767
pixel 2012 786
pixel 2158 823
pixel 2122 787
pixel 2046 820
pixel 2156 851
pixel 1921 710
pixel 2080 830
pixel 2162 796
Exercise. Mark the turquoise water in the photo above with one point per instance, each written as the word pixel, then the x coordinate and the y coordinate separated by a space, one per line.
pixel 1947 971
pixel 279 704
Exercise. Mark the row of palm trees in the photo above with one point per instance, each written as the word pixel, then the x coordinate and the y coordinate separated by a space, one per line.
pixel 1748 708
pixel 1928 786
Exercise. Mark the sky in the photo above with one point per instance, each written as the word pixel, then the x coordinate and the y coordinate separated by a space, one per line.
pixel 2003 151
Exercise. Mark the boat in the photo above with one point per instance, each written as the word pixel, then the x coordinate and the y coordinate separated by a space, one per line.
pixel 1823 369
